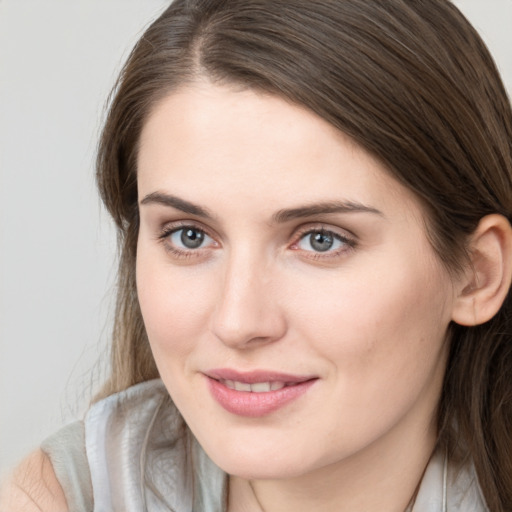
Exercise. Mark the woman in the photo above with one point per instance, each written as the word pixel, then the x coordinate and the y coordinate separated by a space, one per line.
pixel 313 201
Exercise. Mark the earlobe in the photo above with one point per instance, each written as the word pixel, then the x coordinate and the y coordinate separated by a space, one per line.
pixel 489 273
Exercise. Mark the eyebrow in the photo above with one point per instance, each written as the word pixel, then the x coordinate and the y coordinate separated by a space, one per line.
pixel 279 217
pixel 323 208
pixel 177 203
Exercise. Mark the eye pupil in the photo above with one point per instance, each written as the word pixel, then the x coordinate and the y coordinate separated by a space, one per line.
pixel 321 241
pixel 192 238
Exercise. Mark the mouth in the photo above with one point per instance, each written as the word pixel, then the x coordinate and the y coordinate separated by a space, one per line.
pixel 257 387
pixel 256 393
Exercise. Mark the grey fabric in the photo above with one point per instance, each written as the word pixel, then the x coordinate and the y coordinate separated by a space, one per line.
pixel 139 456
pixel 66 450
pixel 134 453
pixel 445 488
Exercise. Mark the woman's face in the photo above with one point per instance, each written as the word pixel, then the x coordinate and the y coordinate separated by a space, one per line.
pixel 295 308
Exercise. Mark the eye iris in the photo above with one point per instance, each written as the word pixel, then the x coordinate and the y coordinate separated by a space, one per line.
pixel 192 238
pixel 321 241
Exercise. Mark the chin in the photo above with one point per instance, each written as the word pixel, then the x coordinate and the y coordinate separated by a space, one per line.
pixel 259 469
pixel 262 461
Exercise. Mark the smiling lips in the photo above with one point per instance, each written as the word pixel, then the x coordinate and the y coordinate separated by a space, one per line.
pixel 256 393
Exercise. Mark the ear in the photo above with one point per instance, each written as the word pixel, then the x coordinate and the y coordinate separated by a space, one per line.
pixel 487 280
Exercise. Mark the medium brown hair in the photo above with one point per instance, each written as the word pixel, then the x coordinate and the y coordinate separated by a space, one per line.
pixel 412 83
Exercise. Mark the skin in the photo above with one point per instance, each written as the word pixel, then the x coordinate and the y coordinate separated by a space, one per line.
pixel 33 487
pixel 367 318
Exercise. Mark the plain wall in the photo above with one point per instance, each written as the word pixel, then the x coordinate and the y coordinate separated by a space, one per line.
pixel 58 61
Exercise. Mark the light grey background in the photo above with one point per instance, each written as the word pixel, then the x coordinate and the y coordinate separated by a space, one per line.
pixel 58 61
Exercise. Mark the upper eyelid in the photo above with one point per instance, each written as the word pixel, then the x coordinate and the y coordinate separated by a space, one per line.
pixel 170 227
pixel 326 228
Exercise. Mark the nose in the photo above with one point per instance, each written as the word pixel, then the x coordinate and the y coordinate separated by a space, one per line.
pixel 247 313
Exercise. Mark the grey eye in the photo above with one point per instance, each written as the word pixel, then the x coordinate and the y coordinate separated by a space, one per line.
pixel 189 238
pixel 320 241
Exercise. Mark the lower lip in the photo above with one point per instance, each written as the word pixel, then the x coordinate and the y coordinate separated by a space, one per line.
pixel 254 405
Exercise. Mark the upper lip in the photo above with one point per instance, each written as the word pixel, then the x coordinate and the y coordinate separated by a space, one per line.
pixel 255 376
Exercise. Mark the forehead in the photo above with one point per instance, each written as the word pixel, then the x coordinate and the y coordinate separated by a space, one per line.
pixel 218 143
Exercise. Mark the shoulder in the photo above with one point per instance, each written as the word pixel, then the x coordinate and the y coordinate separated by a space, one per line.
pixel 33 487
pixel 81 463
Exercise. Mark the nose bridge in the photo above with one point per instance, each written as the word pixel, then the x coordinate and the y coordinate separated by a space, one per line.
pixel 247 311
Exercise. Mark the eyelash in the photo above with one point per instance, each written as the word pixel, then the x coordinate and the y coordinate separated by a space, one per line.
pixel 348 243
pixel 176 252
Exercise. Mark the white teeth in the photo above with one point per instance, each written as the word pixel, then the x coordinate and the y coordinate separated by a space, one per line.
pixel 229 384
pixel 257 387
pixel 260 387
pixel 242 386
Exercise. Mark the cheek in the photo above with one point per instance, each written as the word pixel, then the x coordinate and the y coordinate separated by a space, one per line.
pixel 381 329
pixel 384 345
pixel 173 304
